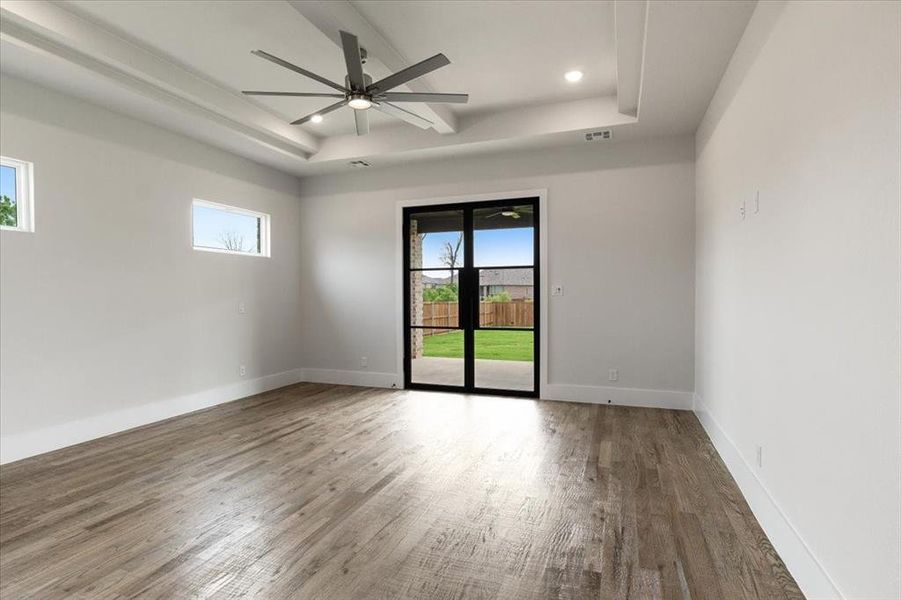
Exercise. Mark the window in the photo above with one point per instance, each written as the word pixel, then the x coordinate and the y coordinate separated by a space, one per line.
pixel 16 195
pixel 221 228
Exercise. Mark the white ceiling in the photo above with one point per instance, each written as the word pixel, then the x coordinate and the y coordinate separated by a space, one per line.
pixel 182 64
pixel 505 53
pixel 214 39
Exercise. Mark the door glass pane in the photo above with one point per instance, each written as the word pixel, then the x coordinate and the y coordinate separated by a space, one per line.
pixel 504 360
pixel 436 356
pixel 503 236
pixel 434 300
pixel 506 297
pixel 436 240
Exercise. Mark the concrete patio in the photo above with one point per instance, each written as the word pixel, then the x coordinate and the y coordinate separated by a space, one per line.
pixel 494 374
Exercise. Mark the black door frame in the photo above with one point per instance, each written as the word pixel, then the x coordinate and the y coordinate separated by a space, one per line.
pixel 468 297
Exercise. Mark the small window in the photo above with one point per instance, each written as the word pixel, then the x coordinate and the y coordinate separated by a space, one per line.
pixel 221 228
pixel 16 196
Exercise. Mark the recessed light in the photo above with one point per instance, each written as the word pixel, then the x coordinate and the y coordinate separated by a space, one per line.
pixel 573 76
pixel 316 118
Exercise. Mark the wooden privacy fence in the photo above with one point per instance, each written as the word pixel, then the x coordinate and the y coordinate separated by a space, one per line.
pixel 517 313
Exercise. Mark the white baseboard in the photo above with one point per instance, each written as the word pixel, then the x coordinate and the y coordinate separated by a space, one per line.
pixel 618 396
pixel 30 443
pixel 804 566
pixel 361 378
pixel 556 391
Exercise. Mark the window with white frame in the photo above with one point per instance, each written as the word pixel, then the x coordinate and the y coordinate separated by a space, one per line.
pixel 229 229
pixel 16 195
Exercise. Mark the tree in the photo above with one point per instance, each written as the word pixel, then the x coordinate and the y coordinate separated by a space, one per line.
pixel 232 240
pixel 8 217
pixel 503 296
pixel 440 293
pixel 450 254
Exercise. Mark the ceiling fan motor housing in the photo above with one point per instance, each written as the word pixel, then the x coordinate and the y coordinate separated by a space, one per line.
pixel 367 80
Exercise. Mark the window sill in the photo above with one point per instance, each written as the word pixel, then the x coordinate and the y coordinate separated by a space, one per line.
pixel 233 252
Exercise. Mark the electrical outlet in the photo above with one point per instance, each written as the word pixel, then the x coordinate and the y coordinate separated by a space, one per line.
pixel 557 290
pixel 759 457
pixel 613 375
pixel 364 361
pixel 242 370
pixel 241 308
pixel 741 210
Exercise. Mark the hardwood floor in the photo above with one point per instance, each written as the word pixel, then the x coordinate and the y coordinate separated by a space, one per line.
pixel 319 491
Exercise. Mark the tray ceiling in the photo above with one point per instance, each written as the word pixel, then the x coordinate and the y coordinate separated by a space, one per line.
pixel 650 69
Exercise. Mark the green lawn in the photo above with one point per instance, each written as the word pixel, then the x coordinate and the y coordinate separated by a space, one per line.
pixel 493 344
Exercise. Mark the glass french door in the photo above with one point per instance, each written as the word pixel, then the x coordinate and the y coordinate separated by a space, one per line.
pixel 470 297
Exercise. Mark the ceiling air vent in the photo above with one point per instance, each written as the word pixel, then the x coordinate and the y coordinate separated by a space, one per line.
pixel 606 134
pixel 359 164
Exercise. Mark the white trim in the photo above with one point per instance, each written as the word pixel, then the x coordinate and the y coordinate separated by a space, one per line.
pixel 672 399
pixel 541 194
pixel 359 378
pixel 224 251
pixel 808 571
pixel 24 194
pixel 264 219
pixel 30 443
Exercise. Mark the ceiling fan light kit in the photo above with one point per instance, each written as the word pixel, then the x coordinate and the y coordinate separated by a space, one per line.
pixel 510 212
pixel 360 93
pixel 359 102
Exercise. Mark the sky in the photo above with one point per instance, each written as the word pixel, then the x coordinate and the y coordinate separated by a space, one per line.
pixel 8 182
pixel 493 247
pixel 210 224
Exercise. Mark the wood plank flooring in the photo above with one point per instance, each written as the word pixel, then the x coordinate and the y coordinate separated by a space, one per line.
pixel 320 491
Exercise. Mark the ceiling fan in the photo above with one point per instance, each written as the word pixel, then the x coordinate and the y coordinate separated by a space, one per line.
pixel 360 93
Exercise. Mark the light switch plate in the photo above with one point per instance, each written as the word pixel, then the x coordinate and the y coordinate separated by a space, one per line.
pixel 557 290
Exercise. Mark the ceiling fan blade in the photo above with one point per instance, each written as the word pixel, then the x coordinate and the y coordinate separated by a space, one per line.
pixel 408 74
pixel 296 69
pixel 426 97
pixel 404 115
pixel 354 62
pixel 361 120
pixel 292 94
pixel 327 109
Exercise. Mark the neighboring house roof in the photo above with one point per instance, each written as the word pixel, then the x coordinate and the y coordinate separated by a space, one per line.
pixel 523 277
pixel 492 277
pixel 435 280
pixel 506 277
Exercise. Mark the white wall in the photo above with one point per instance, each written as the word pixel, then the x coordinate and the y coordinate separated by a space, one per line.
pixel 798 305
pixel 620 227
pixel 108 317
